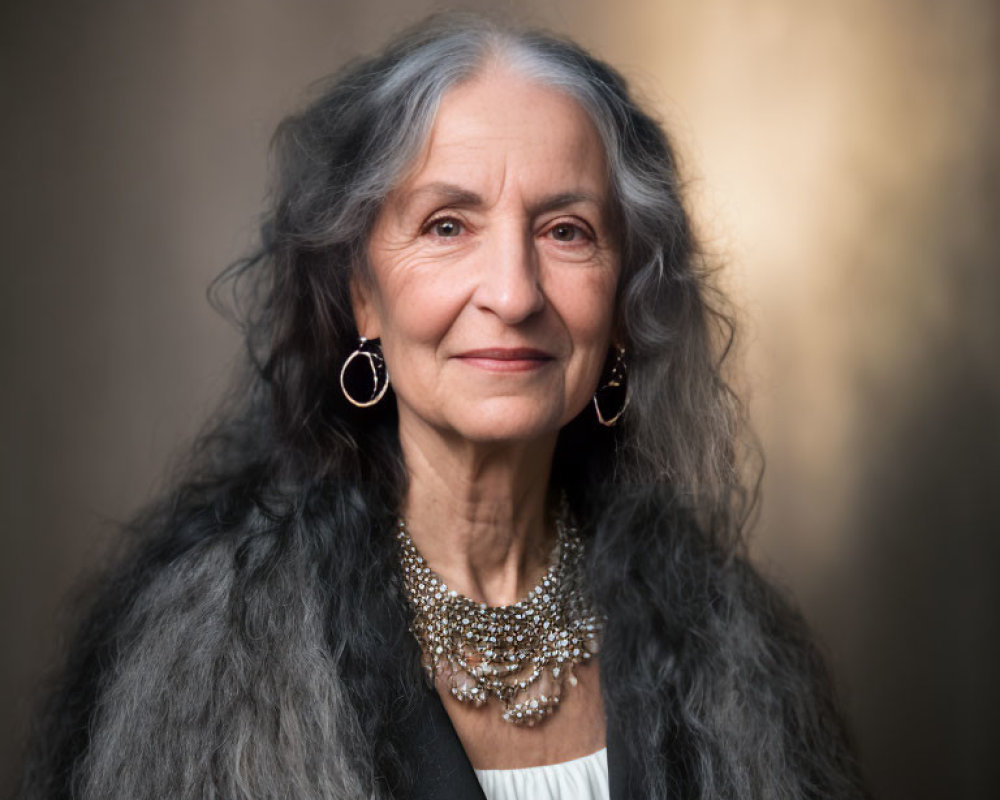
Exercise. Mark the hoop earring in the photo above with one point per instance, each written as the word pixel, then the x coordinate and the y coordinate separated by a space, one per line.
pixel 371 350
pixel 614 389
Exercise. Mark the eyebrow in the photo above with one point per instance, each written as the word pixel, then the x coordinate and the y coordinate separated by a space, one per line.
pixel 452 193
pixel 459 196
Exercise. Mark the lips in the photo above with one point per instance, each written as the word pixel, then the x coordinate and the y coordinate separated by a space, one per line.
pixel 506 359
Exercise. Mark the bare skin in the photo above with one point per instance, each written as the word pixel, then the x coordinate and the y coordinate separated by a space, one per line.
pixel 493 273
pixel 486 536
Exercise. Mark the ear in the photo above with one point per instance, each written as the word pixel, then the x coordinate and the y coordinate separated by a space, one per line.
pixel 363 304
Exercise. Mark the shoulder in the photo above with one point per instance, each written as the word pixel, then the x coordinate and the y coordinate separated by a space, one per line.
pixel 702 650
pixel 206 669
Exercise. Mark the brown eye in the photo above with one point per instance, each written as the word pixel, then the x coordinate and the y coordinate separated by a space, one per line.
pixel 446 228
pixel 567 232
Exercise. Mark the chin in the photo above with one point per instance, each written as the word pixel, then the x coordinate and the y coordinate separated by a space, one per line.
pixel 509 424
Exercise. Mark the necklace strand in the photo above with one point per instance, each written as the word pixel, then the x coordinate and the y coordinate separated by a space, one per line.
pixel 521 654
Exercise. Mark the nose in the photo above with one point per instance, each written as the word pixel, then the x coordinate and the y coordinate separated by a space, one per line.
pixel 509 277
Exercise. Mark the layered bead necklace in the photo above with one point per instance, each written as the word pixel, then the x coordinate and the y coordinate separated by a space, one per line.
pixel 522 654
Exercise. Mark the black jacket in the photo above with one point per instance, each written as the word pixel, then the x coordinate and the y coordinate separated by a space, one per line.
pixel 446 772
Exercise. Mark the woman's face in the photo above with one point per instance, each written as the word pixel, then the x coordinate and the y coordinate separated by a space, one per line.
pixel 494 266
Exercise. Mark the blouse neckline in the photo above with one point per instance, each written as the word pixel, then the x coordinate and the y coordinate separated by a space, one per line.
pixel 559 765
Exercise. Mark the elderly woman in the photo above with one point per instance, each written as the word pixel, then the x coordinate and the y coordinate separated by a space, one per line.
pixel 471 525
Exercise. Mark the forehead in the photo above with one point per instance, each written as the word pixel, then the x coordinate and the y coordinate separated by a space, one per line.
pixel 504 126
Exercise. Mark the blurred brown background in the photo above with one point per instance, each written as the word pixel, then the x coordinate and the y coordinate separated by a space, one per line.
pixel 844 162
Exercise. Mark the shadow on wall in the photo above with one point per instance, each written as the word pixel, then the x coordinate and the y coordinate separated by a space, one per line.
pixel 925 613
pixel 925 522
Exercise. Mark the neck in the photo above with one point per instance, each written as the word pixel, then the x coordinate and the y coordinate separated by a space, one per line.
pixel 477 513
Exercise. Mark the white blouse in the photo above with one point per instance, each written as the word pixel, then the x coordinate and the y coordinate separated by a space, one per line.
pixel 583 778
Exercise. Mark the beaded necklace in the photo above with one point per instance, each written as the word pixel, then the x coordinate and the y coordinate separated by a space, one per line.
pixel 521 654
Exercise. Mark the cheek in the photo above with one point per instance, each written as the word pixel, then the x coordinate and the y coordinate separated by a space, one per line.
pixel 413 301
pixel 415 316
pixel 588 308
pixel 588 313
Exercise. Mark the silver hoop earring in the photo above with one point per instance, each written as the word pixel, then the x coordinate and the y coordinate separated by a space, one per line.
pixel 614 390
pixel 371 351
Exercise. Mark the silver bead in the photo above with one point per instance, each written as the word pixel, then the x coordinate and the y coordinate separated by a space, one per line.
pixel 487 652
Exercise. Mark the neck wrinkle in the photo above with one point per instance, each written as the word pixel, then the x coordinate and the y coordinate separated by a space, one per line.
pixel 478 514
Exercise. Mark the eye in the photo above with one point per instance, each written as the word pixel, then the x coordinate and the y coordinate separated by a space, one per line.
pixel 444 227
pixel 565 233
pixel 569 232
